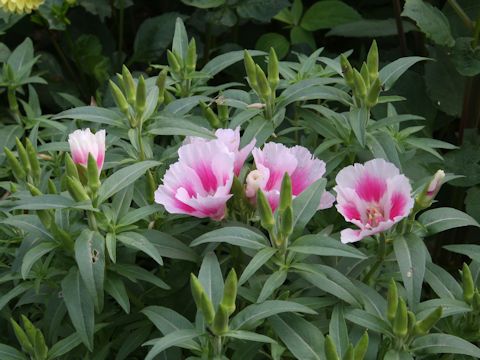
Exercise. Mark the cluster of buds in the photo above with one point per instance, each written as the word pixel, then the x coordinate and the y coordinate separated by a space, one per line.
pixel 356 352
pixel 263 85
pixel 365 84
pixel 28 168
pixel 183 69
pixel 216 319
pixel 217 120
pixel 405 326
pixel 471 294
pixel 131 97
pixel 280 227
pixel 30 338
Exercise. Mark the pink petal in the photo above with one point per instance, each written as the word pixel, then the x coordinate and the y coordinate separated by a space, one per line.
pixel 308 170
pixel 242 155
pixel 371 188
pixel 326 201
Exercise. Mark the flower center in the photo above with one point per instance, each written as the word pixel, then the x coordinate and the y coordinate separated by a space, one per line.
pixel 374 216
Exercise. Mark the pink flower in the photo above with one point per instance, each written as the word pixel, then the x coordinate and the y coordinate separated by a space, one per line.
pixel 373 196
pixel 231 139
pixel 199 183
pixel 83 142
pixel 274 161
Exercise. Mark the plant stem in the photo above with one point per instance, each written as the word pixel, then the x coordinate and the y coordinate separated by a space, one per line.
pixel 217 347
pixel 380 258
pixel 141 149
pixel 461 14
pixel 92 222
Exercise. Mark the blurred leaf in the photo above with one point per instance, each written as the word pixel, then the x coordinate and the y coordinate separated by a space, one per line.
pixel 430 20
pixel 444 344
pixel 277 41
pixel 101 8
pixel 371 28
pixel 204 4
pixel 465 58
pixel 261 10
pixel 390 73
pixel 237 236
pixel 327 14
pixel 441 219
pixel 472 203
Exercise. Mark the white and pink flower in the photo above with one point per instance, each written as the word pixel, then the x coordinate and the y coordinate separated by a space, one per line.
pixel 199 183
pixel 83 142
pixel 231 139
pixel 374 196
pixel 273 161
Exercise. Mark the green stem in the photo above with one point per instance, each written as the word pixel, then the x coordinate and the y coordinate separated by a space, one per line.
pixel 461 14
pixel 380 258
pixel 92 221
pixel 476 33
pixel 140 141
pixel 217 347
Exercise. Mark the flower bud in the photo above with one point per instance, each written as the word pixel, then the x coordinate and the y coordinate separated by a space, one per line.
pixel 129 83
pixel 468 284
pixel 266 216
pixel 392 300
pixel 161 84
pixel 430 191
pixel 220 322
pixel 210 115
pixel 360 87
pixel 191 61
pixel 286 223
pixel 17 169
pixel 256 179
pixel 400 323
pixel 83 142
pixel 250 69
pixel 422 327
pixel 141 97
pixel 373 93
pixel 330 349
pixel 365 75
pixel 361 347
pixel 173 62
pixel 22 154
pixel 258 106
pixel 285 192
pixel 93 174
pixel 230 292
pixel 273 73
pixel 263 85
pixel 76 189
pixel 372 62
pixel 349 354
pixel 119 98
pixel 33 159
pixel 347 71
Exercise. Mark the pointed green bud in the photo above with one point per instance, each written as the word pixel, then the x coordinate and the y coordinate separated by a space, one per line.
pixel 392 300
pixel 400 323
pixel 141 99
pixel 430 191
pixel 161 84
pixel 29 328
pixel 206 307
pixel 423 327
pixel 33 159
pixel 286 223
pixel 210 115
pixel 22 338
pixel 330 349
pixel 22 154
pixel 76 189
pixel 197 290
pixel 285 193
pixel 151 187
pixel 412 320
pixel 230 292
pixel 17 169
pixel 44 215
pixel 40 348
pixel 119 98
pixel 70 167
pixel 372 62
pixel 360 87
pixel 373 93
pixel 220 322
pixel 250 69
pixel 265 211
pixel 34 190
pixel 130 88
pixel 361 347
pixel 468 284
pixel 365 75
pixel 173 62
pixel 349 354
pixel 191 61
pixel 476 301
pixel 347 71
pixel 93 177
pixel 263 85
pixel 273 72
pixel 52 189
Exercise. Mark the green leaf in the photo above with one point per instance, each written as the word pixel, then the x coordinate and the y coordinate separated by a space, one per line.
pixel 10 353
pixel 249 336
pixel 154 36
pixel 115 287
pixel 138 214
pixel 93 114
pixel 139 242
pixel 34 254
pixel 470 250
pixel 465 58
pixel 238 236
pixel 358 119
pixel 368 321
pixel 122 178
pixel 22 56
pixel 277 41
pixel 393 354
pixel 442 283
pixel 180 39
pixel 90 258
pixel 302 338
pixel 13 293
pixel 80 307
pixel 210 277
pixel 322 245
pixel 164 125
pixel 170 247
pixel 134 273
pixel 433 23
pixel 261 10
pixel 444 344
pixel 221 62
pixel 338 329
pixel 449 307
pixel 253 314
pixel 69 343
pixel 175 338
pixel 370 28
pixel 411 256
pixel 260 258
pixel 273 282
pixel 204 4
pixel 44 202
pixel 182 106
pixel 306 205
pixel 441 219
pixel 391 72
pixel 472 202
pixel 328 14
